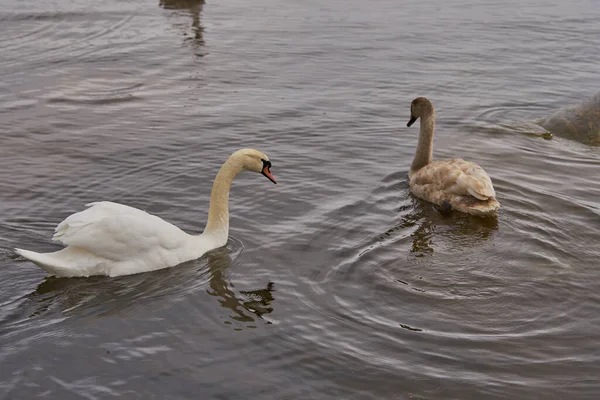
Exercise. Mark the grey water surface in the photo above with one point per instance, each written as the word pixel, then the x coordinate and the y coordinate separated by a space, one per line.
pixel 335 283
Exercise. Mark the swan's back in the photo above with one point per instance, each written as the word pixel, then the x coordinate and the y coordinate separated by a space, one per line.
pixel 113 239
pixel 461 184
pixel 116 231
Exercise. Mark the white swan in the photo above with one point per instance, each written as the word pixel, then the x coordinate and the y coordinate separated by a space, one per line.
pixel 456 183
pixel 113 239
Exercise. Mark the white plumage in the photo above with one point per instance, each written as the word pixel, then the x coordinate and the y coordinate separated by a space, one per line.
pixel 114 239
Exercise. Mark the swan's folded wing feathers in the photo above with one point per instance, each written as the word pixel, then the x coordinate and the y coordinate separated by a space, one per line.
pixel 456 177
pixel 95 212
pixel 110 208
pixel 440 175
pixel 117 232
pixel 476 181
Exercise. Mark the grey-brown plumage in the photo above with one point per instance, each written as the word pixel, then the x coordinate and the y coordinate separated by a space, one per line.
pixel 462 184
pixel 580 122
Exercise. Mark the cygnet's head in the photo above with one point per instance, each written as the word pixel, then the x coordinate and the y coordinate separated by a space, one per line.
pixel 255 161
pixel 419 107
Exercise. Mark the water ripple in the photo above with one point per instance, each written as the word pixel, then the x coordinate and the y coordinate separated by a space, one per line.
pixel 337 282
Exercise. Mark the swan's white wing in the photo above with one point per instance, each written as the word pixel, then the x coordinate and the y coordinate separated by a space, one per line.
pixel 117 232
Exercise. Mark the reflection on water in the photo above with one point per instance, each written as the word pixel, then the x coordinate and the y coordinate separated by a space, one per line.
pixel 102 296
pixel 192 5
pixel 256 302
pixel 457 229
pixel 378 295
pixel 194 8
pixel 425 225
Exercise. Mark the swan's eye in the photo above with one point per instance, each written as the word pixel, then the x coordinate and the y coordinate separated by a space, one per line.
pixel 266 164
pixel 266 170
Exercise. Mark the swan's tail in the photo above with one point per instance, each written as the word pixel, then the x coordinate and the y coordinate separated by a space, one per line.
pixel 481 208
pixel 45 261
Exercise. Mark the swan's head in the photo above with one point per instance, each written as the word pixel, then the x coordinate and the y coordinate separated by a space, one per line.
pixel 255 161
pixel 419 107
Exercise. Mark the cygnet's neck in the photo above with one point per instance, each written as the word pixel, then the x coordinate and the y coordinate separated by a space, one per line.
pixel 217 226
pixel 424 151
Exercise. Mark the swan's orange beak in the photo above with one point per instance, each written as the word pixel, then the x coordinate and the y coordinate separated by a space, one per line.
pixel 266 171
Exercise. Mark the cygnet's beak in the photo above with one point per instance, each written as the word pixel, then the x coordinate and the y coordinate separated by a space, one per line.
pixel 412 120
pixel 266 171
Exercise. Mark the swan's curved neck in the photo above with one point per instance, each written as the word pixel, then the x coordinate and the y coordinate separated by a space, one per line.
pixel 218 213
pixel 425 146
